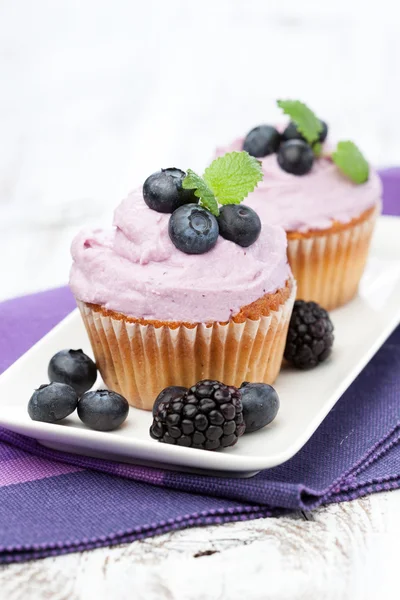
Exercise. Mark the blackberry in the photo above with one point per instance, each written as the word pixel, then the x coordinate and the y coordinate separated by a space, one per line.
pixel 208 416
pixel 169 393
pixel 310 338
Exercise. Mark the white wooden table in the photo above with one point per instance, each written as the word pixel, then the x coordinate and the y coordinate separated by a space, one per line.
pixel 345 551
pixel 96 95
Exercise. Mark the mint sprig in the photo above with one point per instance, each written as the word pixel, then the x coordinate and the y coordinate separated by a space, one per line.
pixel 192 181
pixel 306 121
pixel 317 149
pixel 349 159
pixel 228 180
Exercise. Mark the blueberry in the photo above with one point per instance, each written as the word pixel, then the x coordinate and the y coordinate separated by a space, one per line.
pixel 323 134
pixel 292 133
pixel 52 402
pixel 261 141
pixel 239 223
pixel 103 410
pixel 163 191
pixel 296 157
pixel 74 368
pixel 260 405
pixel 169 393
pixel 193 229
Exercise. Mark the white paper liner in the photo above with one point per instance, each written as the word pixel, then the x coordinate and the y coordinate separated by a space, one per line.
pixel 138 361
pixel 328 268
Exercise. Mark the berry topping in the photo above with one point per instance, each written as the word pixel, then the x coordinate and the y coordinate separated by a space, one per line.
pixel 227 180
pixel 52 402
pixel 174 392
pixel 74 368
pixel 305 120
pixel 193 229
pixel 310 338
pixel 209 416
pixel 261 141
pixel 163 191
pixel 239 223
pixel 103 410
pixel 292 133
pixel 296 157
pixel 260 405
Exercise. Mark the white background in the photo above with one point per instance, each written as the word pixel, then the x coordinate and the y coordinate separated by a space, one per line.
pixel 95 95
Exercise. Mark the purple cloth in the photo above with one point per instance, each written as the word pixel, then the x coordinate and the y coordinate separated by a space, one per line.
pixel 52 502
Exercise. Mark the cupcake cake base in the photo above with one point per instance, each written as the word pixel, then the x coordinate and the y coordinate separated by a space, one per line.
pixel 139 358
pixel 328 264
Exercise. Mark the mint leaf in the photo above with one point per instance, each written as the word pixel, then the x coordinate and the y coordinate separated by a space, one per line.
pixel 317 149
pixel 192 181
pixel 233 176
pixel 351 162
pixel 306 121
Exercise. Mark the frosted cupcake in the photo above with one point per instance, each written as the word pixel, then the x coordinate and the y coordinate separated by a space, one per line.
pixel 326 200
pixel 167 306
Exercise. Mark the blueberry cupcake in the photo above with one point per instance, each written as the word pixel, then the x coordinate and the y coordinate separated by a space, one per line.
pixel 326 198
pixel 181 289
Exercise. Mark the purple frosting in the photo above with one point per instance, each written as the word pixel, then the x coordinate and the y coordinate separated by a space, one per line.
pixel 135 269
pixel 312 201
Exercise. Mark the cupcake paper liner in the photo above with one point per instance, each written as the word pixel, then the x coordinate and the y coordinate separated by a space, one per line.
pixel 328 267
pixel 138 361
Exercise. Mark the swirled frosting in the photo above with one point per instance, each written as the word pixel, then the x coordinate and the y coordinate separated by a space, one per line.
pixel 135 269
pixel 312 201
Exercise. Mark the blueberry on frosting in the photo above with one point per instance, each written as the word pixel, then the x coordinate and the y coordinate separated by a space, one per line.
pixel 227 181
pixel 163 191
pixel 193 229
pixel 296 157
pixel 239 223
pixel 262 141
pixel 291 132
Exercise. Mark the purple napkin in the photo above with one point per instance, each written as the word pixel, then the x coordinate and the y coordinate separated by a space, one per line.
pixel 53 503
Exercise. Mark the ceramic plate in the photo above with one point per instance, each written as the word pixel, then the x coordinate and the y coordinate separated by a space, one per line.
pixel 361 327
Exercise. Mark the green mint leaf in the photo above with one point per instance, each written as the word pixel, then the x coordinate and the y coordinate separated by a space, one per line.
pixel 317 149
pixel 192 181
pixel 306 121
pixel 351 162
pixel 233 176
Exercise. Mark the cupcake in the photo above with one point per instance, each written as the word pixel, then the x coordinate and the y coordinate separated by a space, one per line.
pixel 326 200
pixel 166 300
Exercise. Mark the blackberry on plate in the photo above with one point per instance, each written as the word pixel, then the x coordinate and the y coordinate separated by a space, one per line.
pixel 208 416
pixel 173 392
pixel 310 335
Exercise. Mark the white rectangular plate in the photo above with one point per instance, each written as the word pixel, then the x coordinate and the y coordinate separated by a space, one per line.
pixel 361 327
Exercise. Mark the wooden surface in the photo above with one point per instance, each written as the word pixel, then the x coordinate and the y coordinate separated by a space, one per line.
pixel 345 551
